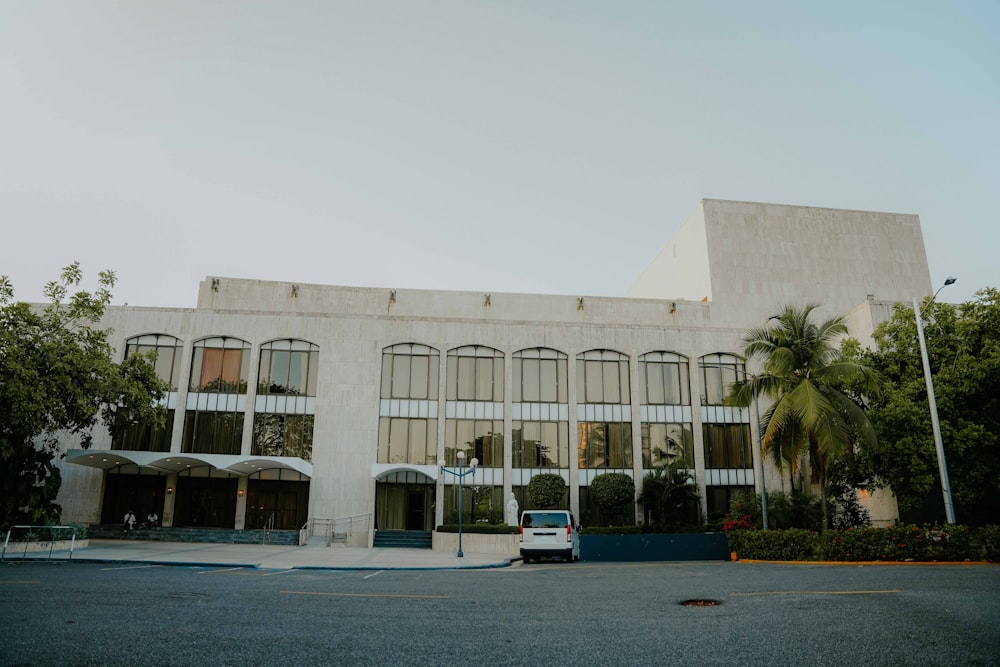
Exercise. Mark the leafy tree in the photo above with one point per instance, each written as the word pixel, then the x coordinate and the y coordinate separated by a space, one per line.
pixel 670 498
pixel 613 491
pixel 963 344
pixel 58 379
pixel 546 490
pixel 806 378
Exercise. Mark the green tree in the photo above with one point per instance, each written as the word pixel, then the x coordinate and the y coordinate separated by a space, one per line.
pixel 806 378
pixel 614 492
pixel 546 490
pixel 57 378
pixel 963 345
pixel 670 498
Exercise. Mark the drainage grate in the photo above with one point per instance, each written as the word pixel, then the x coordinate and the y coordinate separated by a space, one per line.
pixel 701 603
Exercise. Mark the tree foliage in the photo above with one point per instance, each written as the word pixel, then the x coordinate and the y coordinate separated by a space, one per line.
pixel 612 490
pixel 546 490
pixel 963 345
pixel 57 378
pixel 806 377
pixel 670 499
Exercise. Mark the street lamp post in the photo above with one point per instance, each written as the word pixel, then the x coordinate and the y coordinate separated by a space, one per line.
pixel 949 508
pixel 460 474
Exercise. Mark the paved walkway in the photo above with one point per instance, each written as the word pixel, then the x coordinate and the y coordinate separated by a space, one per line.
pixel 271 556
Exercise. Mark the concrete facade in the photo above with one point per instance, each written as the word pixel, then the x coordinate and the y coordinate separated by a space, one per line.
pixel 730 266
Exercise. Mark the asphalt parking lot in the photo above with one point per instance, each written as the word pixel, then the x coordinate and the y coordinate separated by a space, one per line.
pixel 540 614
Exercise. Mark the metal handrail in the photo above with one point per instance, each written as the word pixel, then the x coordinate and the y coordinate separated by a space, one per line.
pixel 6 540
pixel 312 525
pixel 268 527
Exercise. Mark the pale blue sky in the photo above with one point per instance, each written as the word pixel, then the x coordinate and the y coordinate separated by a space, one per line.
pixel 541 147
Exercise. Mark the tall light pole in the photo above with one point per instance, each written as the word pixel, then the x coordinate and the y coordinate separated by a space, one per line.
pixel 949 508
pixel 460 474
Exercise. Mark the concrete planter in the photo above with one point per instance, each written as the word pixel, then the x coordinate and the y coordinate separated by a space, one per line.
pixel 655 547
pixel 477 543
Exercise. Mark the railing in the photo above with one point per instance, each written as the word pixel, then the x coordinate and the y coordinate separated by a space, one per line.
pixel 32 532
pixel 265 537
pixel 340 529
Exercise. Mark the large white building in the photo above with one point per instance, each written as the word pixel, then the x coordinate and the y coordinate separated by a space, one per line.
pixel 293 402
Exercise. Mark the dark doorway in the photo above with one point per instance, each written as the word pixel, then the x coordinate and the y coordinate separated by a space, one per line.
pixel 140 493
pixel 277 504
pixel 416 500
pixel 208 502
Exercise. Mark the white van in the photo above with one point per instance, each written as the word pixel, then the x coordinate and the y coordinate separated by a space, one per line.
pixel 549 533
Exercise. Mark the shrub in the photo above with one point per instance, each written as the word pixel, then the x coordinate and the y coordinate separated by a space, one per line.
pixel 546 490
pixel 791 544
pixel 671 502
pixel 986 541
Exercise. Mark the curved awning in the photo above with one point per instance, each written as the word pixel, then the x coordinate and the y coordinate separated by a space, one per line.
pixel 169 462
pixel 382 471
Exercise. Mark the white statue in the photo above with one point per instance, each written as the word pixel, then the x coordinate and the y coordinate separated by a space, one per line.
pixel 511 510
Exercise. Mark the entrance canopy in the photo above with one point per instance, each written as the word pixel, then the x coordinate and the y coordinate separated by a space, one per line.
pixel 168 462
pixel 388 471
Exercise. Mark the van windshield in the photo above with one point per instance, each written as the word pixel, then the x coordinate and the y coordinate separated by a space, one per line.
pixel 545 520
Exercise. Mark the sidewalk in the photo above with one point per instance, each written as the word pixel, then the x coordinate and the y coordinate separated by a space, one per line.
pixel 270 557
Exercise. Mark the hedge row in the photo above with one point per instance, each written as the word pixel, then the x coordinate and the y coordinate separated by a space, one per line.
pixel 896 543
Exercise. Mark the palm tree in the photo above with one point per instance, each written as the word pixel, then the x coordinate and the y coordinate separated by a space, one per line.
pixel 805 377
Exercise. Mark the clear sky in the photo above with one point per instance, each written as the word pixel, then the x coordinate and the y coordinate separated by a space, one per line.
pixel 516 146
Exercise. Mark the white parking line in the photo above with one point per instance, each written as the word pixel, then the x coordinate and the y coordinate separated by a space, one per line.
pixel 268 574
pixel 369 576
pixel 129 567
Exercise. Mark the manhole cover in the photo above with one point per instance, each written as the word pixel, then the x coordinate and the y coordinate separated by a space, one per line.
pixel 700 603
pixel 187 595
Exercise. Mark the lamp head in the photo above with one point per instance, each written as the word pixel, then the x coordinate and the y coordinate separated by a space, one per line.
pixel 473 463
pixel 440 463
pixel 461 455
pixel 950 280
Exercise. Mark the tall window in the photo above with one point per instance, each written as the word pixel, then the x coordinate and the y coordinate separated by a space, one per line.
pixel 665 409
pixel 288 367
pixel 474 422
pixel 284 412
pixel 408 409
pixel 540 426
pixel 718 373
pixel 213 419
pixel 220 365
pixel 165 353
pixel 475 373
pixel 727 445
pixel 604 415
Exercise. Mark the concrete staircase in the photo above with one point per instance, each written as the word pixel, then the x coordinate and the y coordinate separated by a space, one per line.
pixel 211 535
pixel 403 539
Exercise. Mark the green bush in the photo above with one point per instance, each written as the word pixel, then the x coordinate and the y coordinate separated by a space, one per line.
pixel 546 490
pixel 791 544
pixel 986 541
pixel 612 490
pixel 905 543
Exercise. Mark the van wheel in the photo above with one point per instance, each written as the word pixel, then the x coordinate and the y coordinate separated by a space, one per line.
pixel 569 558
pixel 526 560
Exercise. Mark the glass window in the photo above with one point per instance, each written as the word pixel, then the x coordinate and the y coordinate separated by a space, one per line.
pixel 602 377
pixel 283 435
pixel 410 371
pixel 144 438
pixel 718 499
pixel 403 440
pixel 540 376
pixel 167 351
pixel 540 444
pixel 727 445
pixel 667 444
pixel 719 372
pixel 220 365
pixel 604 445
pixel 475 373
pixel 663 379
pixel 288 367
pixel 212 432
pixel 479 439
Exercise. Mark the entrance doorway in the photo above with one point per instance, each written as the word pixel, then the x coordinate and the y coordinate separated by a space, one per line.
pixel 404 506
